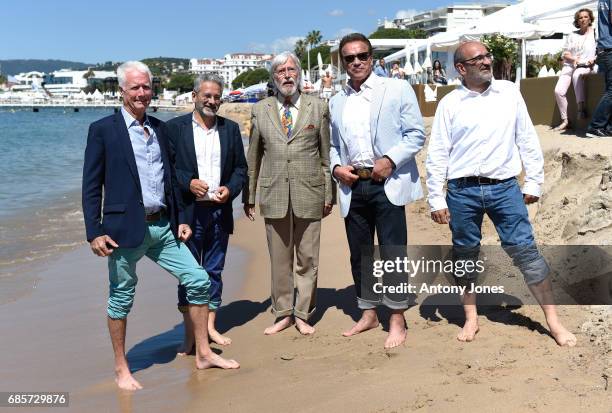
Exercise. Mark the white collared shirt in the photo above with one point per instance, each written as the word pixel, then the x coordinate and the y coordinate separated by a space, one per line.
pixel 294 108
pixel 356 121
pixel 208 154
pixel 487 134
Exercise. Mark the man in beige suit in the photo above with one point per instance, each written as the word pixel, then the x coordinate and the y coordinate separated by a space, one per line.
pixel 289 156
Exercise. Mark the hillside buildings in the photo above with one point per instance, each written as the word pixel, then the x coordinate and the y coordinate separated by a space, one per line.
pixel 231 65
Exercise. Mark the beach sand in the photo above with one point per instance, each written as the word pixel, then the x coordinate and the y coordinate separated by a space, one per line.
pixel 55 338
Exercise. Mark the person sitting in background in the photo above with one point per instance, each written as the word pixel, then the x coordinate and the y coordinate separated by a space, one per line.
pixel 578 59
pixel 396 71
pixel 438 74
pixel 599 126
pixel 381 70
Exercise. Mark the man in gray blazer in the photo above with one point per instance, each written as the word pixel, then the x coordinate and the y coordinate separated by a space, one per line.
pixel 377 130
pixel 289 156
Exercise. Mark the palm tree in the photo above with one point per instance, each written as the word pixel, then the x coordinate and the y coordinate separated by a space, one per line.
pixel 312 38
pixel 300 48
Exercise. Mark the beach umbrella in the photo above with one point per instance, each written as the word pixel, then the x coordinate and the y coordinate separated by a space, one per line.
pixel 408 69
pixel 551 72
pixel 427 63
pixel 417 67
pixel 543 71
pixel 320 63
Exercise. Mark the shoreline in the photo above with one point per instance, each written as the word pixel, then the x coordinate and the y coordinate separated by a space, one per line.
pixel 58 337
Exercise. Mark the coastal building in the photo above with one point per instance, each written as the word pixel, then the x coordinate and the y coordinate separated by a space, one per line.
pixel 231 65
pixel 443 19
pixel 61 83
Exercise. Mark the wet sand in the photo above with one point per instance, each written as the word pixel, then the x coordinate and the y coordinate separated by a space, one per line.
pixel 55 339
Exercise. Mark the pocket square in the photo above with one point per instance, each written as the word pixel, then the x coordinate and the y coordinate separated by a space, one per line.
pixel 310 127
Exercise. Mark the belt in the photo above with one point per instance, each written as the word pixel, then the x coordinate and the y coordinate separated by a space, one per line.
pixel 155 216
pixel 364 173
pixel 481 180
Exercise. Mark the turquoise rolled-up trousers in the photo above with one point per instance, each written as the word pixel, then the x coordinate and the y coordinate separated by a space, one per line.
pixel 163 248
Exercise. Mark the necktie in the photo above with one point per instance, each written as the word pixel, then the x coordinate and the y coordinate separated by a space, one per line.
pixel 287 120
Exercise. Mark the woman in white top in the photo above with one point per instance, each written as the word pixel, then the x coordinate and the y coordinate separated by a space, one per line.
pixel 578 59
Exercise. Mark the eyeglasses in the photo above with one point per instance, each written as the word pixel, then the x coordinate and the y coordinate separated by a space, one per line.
pixel 348 59
pixel 288 70
pixel 209 96
pixel 478 59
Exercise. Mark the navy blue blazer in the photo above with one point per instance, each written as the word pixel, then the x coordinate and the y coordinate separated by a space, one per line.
pixel 110 176
pixel 233 163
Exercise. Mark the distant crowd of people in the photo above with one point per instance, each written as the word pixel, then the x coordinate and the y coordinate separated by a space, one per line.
pixel 435 74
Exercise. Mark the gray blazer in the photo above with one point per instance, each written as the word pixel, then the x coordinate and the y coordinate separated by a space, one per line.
pixel 295 168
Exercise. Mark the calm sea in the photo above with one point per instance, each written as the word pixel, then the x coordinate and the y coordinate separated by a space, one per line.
pixel 41 161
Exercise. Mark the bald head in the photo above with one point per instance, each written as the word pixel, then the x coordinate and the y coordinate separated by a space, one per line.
pixel 467 50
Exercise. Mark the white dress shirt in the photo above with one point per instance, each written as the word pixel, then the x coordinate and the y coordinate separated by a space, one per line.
pixel 356 121
pixel 208 154
pixel 483 134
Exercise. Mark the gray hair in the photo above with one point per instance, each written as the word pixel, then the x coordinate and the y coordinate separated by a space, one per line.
pixel 281 59
pixel 207 77
pixel 129 66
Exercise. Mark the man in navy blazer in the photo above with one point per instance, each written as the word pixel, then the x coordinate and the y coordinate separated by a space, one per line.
pixel 132 208
pixel 211 170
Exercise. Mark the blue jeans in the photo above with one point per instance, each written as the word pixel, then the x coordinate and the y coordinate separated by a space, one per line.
pixel 163 248
pixel 372 211
pixel 503 203
pixel 601 116
pixel 208 244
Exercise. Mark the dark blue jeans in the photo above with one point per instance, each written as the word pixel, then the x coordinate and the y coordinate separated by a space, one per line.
pixel 371 211
pixel 601 116
pixel 208 244
pixel 503 203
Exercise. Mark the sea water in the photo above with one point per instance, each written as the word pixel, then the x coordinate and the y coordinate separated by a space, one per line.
pixel 41 163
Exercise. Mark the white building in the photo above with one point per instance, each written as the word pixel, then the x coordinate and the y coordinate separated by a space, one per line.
pixel 63 82
pixel 231 65
pixel 444 18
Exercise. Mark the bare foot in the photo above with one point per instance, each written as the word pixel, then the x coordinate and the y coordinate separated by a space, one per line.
pixel 187 347
pixel 562 336
pixel 397 331
pixel 218 338
pixel 279 326
pixel 211 360
pixel 562 127
pixel 126 381
pixel 368 321
pixel 303 327
pixel 469 330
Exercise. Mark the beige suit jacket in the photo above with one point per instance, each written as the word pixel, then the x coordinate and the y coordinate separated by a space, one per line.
pixel 295 168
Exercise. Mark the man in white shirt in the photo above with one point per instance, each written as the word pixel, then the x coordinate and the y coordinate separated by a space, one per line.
pixel 480 135
pixel 377 130
pixel 211 171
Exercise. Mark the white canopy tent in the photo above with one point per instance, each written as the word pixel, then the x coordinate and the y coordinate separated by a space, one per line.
pixel 528 20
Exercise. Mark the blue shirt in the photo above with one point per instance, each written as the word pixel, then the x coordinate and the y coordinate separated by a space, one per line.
pixel 380 71
pixel 148 161
pixel 604 25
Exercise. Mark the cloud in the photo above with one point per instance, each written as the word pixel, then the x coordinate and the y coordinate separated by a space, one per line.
pixel 276 46
pixel 344 31
pixel 405 14
pixel 336 13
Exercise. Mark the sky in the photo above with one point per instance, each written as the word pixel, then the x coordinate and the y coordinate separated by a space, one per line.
pixel 120 30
